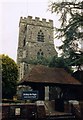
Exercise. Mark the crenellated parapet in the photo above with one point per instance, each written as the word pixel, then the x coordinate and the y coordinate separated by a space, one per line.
pixel 35 41
pixel 36 21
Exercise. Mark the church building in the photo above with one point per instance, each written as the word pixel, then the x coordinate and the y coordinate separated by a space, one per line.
pixel 36 40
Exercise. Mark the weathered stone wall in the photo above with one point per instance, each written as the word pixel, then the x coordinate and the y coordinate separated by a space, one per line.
pixel 28 44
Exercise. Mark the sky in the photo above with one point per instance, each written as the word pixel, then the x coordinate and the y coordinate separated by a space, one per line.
pixel 10 13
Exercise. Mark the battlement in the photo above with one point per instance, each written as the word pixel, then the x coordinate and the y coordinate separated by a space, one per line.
pixel 23 19
pixel 36 21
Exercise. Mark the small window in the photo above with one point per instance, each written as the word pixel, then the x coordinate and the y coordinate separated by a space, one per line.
pixel 40 54
pixel 40 36
pixel 24 42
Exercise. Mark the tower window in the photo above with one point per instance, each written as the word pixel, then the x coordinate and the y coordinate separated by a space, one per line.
pixel 24 42
pixel 40 36
pixel 40 54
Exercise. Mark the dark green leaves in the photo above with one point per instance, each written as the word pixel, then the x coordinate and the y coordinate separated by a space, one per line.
pixel 70 31
pixel 9 76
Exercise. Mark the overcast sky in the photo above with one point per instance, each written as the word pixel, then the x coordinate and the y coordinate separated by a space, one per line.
pixel 10 13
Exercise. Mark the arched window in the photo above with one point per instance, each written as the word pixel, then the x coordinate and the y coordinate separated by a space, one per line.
pixel 40 36
pixel 40 54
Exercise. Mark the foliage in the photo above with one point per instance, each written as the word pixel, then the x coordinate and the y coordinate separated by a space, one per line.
pixel 41 61
pixel 70 31
pixel 9 76
pixel 60 62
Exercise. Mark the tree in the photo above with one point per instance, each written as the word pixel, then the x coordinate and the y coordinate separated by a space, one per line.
pixel 70 31
pixel 60 62
pixel 9 76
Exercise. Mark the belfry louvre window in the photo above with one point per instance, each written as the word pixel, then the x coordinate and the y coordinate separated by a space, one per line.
pixel 40 36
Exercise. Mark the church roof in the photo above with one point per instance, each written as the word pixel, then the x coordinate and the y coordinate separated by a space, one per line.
pixel 46 75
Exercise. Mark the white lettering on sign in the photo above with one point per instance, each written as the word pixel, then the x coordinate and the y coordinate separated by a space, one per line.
pixel 30 95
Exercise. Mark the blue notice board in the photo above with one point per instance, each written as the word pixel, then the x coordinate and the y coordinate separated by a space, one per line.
pixel 30 95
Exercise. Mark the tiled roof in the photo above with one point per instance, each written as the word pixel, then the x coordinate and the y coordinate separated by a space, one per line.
pixel 43 74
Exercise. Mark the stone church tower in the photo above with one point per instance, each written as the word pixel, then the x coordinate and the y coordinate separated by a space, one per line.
pixel 35 42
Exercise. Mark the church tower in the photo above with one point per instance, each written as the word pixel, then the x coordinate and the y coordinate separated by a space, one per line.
pixel 35 41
